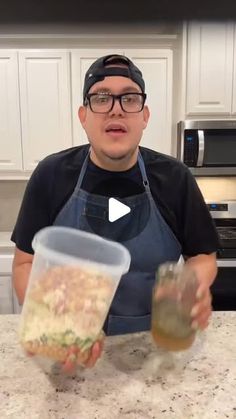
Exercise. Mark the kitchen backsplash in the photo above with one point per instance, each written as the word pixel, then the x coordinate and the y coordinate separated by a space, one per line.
pixel 217 188
pixel 11 194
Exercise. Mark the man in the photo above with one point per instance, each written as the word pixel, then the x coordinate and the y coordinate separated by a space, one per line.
pixel 168 216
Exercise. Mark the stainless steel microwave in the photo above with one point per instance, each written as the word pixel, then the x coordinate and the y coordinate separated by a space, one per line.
pixel 208 147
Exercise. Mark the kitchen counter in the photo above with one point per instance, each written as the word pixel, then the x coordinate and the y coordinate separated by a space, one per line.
pixel 132 380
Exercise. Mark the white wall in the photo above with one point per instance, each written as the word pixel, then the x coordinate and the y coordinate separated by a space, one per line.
pixel 11 193
pixel 217 188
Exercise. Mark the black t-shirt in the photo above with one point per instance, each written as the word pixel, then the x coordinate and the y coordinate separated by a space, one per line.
pixel 173 188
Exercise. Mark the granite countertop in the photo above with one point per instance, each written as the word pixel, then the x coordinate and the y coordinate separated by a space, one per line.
pixel 133 379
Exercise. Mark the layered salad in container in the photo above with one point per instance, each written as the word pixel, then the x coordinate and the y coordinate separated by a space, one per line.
pixel 64 312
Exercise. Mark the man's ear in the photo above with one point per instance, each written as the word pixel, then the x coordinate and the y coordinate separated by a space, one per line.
pixel 82 112
pixel 146 115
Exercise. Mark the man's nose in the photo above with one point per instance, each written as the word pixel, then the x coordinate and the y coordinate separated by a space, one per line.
pixel 117 109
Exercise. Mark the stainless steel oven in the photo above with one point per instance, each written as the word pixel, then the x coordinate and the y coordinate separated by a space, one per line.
pixel 224 287
pixel 208 147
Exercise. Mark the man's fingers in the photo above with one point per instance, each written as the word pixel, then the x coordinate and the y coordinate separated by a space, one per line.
pixel 203 293
pixel 202 303
pixel 202 310
pixel 86 359
pixel 202 321
pixel 167 291
pixel 68 366
pixel 95 354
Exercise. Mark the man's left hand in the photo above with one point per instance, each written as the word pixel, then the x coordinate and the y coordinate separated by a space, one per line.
pixel 205 268
pixel 202 309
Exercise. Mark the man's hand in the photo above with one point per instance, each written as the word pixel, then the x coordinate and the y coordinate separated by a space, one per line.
pixel 202 310
pixel 74 357
pixel 72 361
pixel 206 269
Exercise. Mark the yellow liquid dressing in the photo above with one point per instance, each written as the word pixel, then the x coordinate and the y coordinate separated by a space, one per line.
pixel 171 325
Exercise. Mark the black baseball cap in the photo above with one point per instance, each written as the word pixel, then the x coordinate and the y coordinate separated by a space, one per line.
pixel 101 69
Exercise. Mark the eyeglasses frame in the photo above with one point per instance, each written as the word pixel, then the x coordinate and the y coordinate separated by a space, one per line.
pixel 115 97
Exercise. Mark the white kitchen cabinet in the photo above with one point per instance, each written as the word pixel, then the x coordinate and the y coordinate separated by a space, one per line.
pixel 35 107
pixel 38 110
pixel 210 50
pixel 10 130
pixel 6 297
pixel 8 300
pixel 156 66
pixel 234 76
pixel 45 104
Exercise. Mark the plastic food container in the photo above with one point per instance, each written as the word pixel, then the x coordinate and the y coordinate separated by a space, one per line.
pixel 72 283
pixel 174 296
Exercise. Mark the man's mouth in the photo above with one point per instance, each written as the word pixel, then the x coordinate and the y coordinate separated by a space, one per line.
pixel 116 129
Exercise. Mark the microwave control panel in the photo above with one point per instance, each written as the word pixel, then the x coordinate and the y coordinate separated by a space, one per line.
pixel 190 147
pixel 217 207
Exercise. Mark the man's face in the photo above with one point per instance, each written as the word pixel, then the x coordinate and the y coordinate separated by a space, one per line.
pixel 115 134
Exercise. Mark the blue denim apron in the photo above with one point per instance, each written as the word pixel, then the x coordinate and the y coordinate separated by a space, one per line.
pixel 155 244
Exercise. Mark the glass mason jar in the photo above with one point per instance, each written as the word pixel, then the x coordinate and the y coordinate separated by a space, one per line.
pixel 174 295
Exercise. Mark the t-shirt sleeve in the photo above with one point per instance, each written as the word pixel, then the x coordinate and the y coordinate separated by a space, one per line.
pixel 34 212
pixel 198 228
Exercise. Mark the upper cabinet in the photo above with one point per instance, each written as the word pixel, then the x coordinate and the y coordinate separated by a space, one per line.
pixel 35 107
pixel 45 104
pixel 10 129
pixel 41 91
pixel 211 53
pixel 156 66
pixel 234 76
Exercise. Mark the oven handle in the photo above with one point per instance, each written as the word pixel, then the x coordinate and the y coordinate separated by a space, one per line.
pixel 226 262
pixel 201 147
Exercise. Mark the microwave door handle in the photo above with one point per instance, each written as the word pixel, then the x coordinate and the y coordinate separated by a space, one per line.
pixel 201 147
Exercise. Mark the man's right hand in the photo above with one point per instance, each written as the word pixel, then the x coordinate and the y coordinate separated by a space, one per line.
pixel 74 357
pixel 73 361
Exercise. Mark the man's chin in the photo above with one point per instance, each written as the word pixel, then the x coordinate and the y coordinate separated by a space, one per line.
pixel 118 155
pixel 115 157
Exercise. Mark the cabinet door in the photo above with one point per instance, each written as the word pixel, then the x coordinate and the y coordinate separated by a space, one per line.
pixel 209 68
pixel 81 59
pixel 156 66
pixel 10 130
pixel 6 298
pixel 234 76
pixel 45 104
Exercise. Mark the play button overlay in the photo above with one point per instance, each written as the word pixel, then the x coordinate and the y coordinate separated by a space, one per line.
pixel 116 210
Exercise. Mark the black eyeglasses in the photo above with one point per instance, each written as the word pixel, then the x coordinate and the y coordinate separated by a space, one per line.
pixel 104 102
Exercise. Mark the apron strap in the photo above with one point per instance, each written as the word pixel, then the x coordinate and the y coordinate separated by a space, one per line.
pixel 82 173
pixel 143 173
pixel 140 163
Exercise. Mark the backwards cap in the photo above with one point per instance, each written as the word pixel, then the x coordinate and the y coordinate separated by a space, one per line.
pixel 101 69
